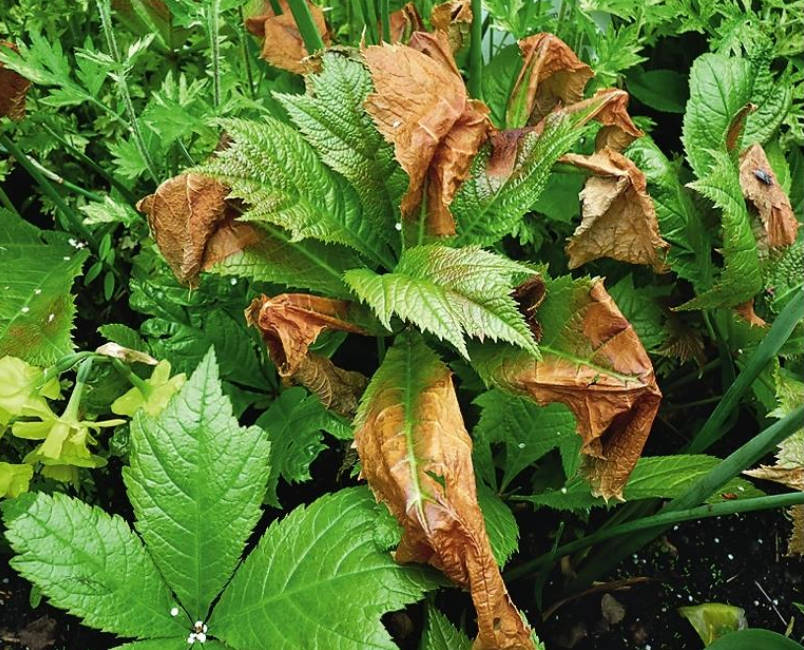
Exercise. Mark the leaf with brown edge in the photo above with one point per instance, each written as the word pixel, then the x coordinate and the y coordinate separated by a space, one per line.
pixel 609 107
pixel 404 22
pixel 420 105
pixel 291 322
pixel 417 458
pixel 762 190
pixel 594 363
pixel 193 225
pixel 619 218
pixel 551 76
pixel 283 45
pixel 454 18
pixel 13 90
pixel 746 311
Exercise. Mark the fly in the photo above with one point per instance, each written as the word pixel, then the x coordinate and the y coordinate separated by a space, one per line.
pixel 763 176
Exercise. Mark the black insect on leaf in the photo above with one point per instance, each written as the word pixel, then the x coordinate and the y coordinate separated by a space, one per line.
pixel 763 176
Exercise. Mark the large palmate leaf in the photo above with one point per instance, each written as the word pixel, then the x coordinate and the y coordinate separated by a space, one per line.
pixel 526 431
pixel 451 292
pixel 283 182
pixel 295 423
pixel 492 200
pixel 318 579
pixel 720 87
pixel 195 483
pixel 37 269
pixel 90 564
pixel 416 456
pixel 664 477
pixel 593 362
pixel 741 278
pixel 690 255
pixel 332 118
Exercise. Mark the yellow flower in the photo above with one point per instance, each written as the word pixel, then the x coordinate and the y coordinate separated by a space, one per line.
pixel 152 395
pixel 14 479
pixel 20 389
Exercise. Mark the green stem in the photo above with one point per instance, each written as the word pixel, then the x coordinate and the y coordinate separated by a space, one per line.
pixel 371 21
pixel 662 519
pixel 276 7
pixel 476 50
pixel 213 28
pixel 304 21
pixel 7 204
pixel 744 457
pixel 53 176
pixel 385 17
pixel 713 429
pixel 75 221
pixel 135 380
pixel 246 56
pixel 81 377
pixel 122 87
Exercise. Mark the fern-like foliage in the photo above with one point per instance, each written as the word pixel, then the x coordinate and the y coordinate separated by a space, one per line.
pixel 282 180
pixel 487 207
pixel 332 118
pixel 451 292
pixel 741 278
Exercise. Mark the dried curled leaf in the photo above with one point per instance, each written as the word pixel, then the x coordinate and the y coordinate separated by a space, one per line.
pixel 417 458
pixel 592 361
pixel 13 89
pixel 338 389
pixel 762 190
pixel 619 218
pixel 404 22
pixel 609 107
pixel 454 18
pixel 283 46
pixel 746 312
pixel 291 322
pixel 193 225
pixel 796 544
pixel 551 76
pixel 422 108
pixel 128 355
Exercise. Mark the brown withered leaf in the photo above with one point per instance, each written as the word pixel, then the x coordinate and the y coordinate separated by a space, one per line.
pixel 338 389
pixel 551 76
pixel 417 458
pixel 795 545
pixel 128 355
pixel 762 190
pixel 747 313
pixel 291 322
pixel 422 108
pixel 609 107
pixel 454 18
pixel 792 477
pixel 619 218
pixel 592 361
pixel 193 224
pixel 13 90
pixel 737 126
pixel 404 22
pixel 283 45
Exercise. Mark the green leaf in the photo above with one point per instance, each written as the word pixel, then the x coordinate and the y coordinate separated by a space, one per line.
pixel 501 525
pixel 90 564
pixel 487 207
pixel 664 477
pixel 123 335
pixel 499 77
pixel 37 269
pixel 283 182
pixel 318 580
pixel 440 634
pixel 166 644
pixel 332 118
pixel 713 620
pixel 449 292
pixel 278 258
pixel 294 423
pixel 690 254
pixel 771 97
pixel 719 88
pixel 741 278
pixel 195 482
pixel 525 430
pixel 752 639
pixel 643 310
pixel 663 90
